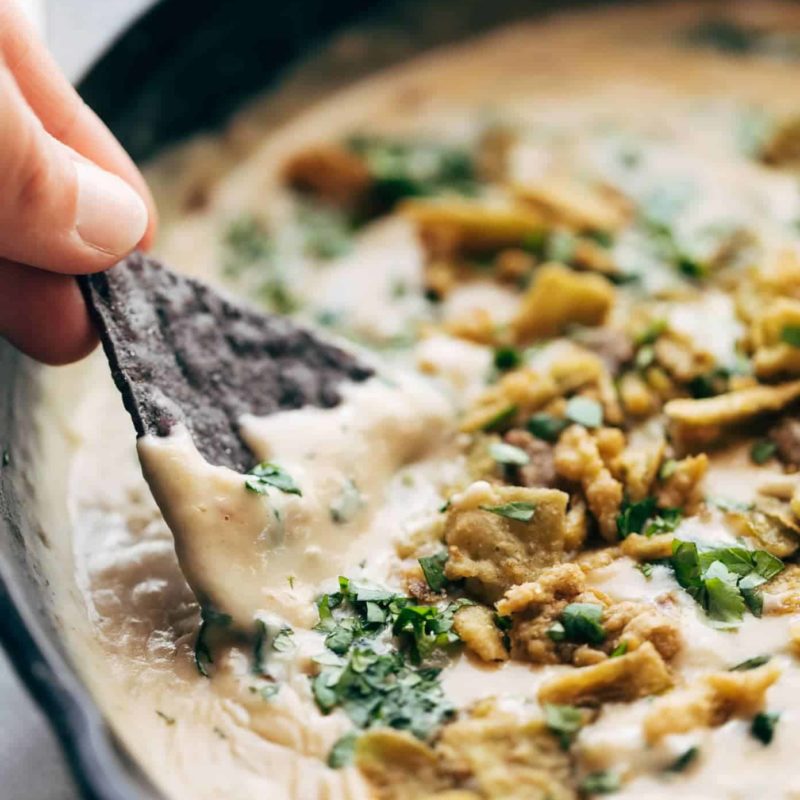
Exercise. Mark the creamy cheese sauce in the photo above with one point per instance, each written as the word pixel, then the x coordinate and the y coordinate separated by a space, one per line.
pixel 598 89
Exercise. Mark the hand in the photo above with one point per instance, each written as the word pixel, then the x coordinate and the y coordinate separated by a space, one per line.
pixel 71 200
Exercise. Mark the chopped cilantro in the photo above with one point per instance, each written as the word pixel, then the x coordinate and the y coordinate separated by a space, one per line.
pixel 433 570
pixel 246 241
pixel 791 335
pixel 380 689
pixel 266 639
pixel 585 411
pixel 723 599
pixel 646 569
pixel 724 579
pixel 605 782
pixel 423 629
pixel 508 454
pixel 650 333
pixel 684 760
pixel 546 426
pixel 358 612
pixel 665 521
pixel 343 750
pixel 690 267
pixel 500 419
pixel 284 640
pixel 414 168
pixel 327 232
pixel 248 248
pixel 762 451
pixel 564 722
pixel 503 621
pixel 517 510
pixel 710 383
pixel 266 692
pixel 644 516
pixel 266 474
pixel 632 517
pixel 763 726
pixel 209 619
pixel 579 623
pixel 750 663
pixel 506 358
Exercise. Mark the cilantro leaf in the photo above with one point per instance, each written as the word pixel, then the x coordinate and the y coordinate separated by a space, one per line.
pixel 508 454
pixel 605 782
pixel 791 335
pixel 433 570
pixel 359 612
pixel 633 516
pixel 762 451
pixel 546 426
pixel 665 521
pixel 724 579
pixel 209 621
pixel 750 663
pixel 284 640
pixel 380 689
pixel 763 726
pixel 266 474
pixel 619 650
pixel 402 169
pixel 684 760
pixel 506 358
pixel 267 638
pixel 564 722
pixel 516 510
pixel 327 232
pixel 266 692
pixel 425 628
pixel 724 601
pixel 585 411
pixel 579 623
pixel 650 333
pixel 500 419
pixel 686 565
pixel 343 750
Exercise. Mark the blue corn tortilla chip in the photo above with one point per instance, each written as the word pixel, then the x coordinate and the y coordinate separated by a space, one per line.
pixel 182 353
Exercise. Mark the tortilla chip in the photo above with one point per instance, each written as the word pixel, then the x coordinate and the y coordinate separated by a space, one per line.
pixel 182 353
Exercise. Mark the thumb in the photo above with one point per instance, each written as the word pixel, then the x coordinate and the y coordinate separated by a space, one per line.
pixel 59 211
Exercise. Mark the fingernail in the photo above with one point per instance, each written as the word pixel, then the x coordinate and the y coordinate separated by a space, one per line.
pixel 111 215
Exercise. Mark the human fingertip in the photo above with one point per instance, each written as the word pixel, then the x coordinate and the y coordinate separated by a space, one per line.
pixel 111 215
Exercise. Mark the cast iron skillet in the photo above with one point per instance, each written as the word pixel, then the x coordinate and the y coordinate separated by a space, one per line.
pixel 183 67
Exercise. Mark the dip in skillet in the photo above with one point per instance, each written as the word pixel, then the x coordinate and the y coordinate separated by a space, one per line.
pixel 550 550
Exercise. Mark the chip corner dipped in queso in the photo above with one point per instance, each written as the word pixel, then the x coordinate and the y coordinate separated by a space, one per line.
pixel 550 549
